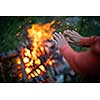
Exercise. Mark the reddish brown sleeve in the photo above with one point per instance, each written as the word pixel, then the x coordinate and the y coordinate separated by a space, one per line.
pixel 95 47
pixel 88 41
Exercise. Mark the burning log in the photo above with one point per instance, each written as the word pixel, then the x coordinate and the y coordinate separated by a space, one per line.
pixel 10 54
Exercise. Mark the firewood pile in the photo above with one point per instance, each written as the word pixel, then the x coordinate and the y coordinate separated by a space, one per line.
pixel 58 73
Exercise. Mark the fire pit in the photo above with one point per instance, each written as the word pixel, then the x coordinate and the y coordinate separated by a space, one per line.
pixel 39 56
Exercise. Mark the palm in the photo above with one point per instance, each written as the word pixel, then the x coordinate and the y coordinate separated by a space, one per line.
pixel 59 39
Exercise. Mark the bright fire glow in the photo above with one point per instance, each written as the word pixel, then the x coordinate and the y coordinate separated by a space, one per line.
pixel 42 68
pixel 36 74
pixel 26 60
pixel 38 61
pixel 38 34
pixel 38 71
pixel 32 75
pixel 28 70
pixel 18 61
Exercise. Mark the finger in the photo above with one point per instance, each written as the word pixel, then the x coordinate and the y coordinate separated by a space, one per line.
pixel 70 36
pixel 68 32
pixel 61 35
pixel 54 41
pixel 55 37
pixel 70 40
pixel 58 36
pixel 76 33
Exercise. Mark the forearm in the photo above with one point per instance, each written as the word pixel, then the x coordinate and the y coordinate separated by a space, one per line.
pixel 69 54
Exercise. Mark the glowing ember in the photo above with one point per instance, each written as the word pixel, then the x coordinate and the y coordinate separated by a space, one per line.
pixel 49 62
pixel 18 61
pixel 26 60
pixel 32 75
pixel 42 68
pixel 29 63
pixel 18 67
pixel 27 52
pixel 20 75
pixel 38 71
pixel 29 76
pixel 35 73
pixel 38 62
pixel 28 70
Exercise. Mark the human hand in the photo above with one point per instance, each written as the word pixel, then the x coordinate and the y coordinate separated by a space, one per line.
pixel 73 37
pixel 59 39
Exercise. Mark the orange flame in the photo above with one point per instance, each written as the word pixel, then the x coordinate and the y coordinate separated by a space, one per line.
pixel 42 68
pixel 28 70
pixel 38 61
pixel 26 60
pixel 38 34
pixel 18 61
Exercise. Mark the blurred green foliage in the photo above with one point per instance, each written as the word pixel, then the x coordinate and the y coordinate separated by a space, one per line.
pixel 10 25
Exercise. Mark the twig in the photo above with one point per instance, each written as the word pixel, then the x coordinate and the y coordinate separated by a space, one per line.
pixel 2 71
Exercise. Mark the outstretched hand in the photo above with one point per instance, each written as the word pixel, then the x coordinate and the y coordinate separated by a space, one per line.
pixel 59 39
pixel 73 37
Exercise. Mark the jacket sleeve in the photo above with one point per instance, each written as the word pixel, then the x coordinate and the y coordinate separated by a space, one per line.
pixel 88 41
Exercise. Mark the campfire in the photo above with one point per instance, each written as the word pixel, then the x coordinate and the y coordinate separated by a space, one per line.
pixel 37 59
pixel 38 54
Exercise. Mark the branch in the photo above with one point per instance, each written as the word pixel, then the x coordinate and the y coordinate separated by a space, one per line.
pixel 10 54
